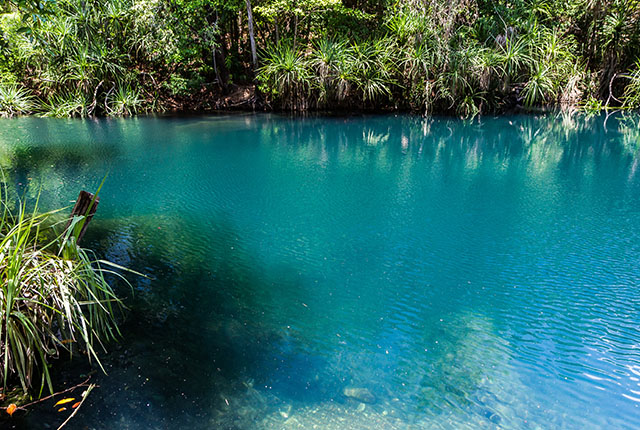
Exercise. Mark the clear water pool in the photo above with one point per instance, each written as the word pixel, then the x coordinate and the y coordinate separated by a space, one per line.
pixel 382 272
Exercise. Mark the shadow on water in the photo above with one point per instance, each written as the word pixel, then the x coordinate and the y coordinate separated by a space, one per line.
pixel 194 350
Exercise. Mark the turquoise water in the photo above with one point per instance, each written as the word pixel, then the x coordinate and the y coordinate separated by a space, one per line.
pixel 451 274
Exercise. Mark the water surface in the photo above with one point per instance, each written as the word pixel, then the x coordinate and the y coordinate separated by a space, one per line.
pixel 478 274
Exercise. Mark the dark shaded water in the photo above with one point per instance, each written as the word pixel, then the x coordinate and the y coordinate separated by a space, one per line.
pixel 467 274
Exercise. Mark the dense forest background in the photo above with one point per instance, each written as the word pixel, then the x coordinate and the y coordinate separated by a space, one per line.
pixel 120 57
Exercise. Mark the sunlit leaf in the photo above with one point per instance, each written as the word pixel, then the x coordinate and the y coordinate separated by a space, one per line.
pixel 64 401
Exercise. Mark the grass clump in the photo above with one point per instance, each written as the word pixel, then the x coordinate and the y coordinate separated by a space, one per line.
pixel 53 297
pixel 14 100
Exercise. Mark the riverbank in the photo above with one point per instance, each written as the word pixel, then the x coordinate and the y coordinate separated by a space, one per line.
pixel 246 98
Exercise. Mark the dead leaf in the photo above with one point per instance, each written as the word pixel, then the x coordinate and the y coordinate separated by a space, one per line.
pixel 65 401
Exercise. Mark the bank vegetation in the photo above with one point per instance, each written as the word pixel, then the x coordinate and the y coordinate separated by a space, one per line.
pixel 122 57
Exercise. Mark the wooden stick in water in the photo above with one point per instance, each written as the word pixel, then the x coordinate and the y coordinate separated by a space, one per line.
pixel 75 411
pixel 84 207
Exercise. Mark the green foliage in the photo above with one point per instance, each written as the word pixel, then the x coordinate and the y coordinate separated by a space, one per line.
pixel 293 19
pixel 35 10
pixel 15 100
pixel 448 56
pixel 177 85
pixel 286 73
pixel 513 57
pixel 53 297
pixel 124 101
pixel 65 103
pixel 632 91
pixel 592 106
pixel 78 56
pixel 540 86
pixel 373 69
pixel 455 58
pixel 332 62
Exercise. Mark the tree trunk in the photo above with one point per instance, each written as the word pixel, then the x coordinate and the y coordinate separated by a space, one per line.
pixel 254 56
pixel 295 25
pixel 215 51
pixel 86 206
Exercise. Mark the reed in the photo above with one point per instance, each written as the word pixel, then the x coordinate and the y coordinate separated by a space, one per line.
pixel 54 297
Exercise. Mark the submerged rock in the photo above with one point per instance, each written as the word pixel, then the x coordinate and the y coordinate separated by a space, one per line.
pixel 361 394
pixel 285 412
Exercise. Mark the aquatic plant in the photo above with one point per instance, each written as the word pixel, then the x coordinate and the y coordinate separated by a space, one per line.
pixel 53 296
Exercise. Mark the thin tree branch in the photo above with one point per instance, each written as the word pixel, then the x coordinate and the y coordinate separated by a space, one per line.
pixel 82 384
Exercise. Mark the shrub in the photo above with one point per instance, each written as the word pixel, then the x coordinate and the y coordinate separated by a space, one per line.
pixel 124 101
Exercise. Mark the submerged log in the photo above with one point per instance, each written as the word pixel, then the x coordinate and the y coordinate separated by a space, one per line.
pixel 86 205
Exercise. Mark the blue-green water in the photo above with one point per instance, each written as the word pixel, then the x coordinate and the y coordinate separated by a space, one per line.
pixel 471 275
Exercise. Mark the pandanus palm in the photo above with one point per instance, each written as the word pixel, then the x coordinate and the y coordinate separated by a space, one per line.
pixel 287 70
pixel 328 59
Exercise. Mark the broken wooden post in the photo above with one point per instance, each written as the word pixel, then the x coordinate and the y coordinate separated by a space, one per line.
pixel 84 207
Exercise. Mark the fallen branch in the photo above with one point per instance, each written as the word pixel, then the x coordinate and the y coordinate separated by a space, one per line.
pixel 82 384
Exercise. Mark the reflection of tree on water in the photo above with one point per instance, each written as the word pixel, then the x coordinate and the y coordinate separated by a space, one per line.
pixel 629 127
pixel 47 171
pixel 546 141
